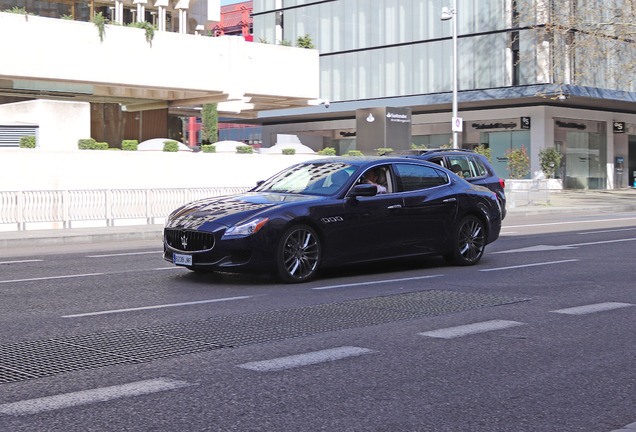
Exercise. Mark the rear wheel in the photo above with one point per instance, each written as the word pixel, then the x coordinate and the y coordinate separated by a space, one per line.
pixel 469 241
pixel 298 254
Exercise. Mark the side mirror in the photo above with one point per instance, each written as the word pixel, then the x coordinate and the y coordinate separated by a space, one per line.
pixel 260 182
pixel 363 190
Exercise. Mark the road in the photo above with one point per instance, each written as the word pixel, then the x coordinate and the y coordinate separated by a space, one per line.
pixel 538 337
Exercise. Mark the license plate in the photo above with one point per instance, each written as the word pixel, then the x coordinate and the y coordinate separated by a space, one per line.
pixel 179 259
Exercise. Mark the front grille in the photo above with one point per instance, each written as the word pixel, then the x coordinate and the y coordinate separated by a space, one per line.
pixel 188 241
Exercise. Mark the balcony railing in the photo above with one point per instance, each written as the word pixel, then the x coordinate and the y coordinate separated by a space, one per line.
pixel 20 208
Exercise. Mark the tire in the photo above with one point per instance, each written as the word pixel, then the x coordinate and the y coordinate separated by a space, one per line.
pixel 298 255
pixel 469 242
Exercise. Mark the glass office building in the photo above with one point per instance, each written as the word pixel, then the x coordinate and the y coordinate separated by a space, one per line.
pixel 399 53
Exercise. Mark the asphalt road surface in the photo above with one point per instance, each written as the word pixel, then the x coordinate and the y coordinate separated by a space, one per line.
pixel 537 337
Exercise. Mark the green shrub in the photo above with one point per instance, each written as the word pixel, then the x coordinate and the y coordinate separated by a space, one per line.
pixel 17 10
pixel 354 153
pixel 129 145
pixel 384 150
pixel 289 151
pixel 147 27
pixel 327 151
pixel 518 162
pixel 27 142
pixel 87 144
pixel 246 149
pixel 170 146
pixel 483 150
pixel 208 148
pixel 550 161
pixel 101 146
pixel 305 42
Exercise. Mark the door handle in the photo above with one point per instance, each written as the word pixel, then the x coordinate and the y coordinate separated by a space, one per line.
pixel 449 200
pixel 396 206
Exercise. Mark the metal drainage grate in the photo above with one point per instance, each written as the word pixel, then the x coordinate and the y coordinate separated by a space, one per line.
pixel 36 359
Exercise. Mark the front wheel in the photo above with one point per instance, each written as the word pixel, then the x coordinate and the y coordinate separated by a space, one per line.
pixel 298 254
pixel 469 242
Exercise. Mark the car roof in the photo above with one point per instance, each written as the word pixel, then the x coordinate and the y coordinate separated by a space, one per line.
pixel 367 160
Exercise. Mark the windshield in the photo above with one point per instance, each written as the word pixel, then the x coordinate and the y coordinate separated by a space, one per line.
pixel 312 179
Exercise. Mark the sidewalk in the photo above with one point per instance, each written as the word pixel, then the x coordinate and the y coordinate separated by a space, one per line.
pixel 569 201
pixel 618 200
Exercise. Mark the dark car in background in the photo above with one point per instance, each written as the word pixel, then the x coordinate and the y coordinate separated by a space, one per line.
pixel 471 166
pixel 327 213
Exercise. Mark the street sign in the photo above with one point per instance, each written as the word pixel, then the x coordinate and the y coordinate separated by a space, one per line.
pixel 458 124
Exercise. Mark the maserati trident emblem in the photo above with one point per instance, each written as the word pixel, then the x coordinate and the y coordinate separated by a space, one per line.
pixel 184 241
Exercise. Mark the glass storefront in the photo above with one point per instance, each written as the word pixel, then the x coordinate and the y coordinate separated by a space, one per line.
pixel 584 146
pixel 502 142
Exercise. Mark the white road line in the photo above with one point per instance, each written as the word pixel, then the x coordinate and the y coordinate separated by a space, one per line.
pixel 114 311
pixel 90 274
pixel 469 329
pixel 21 261
pixel 529 265
pixel 52 277
pixel 123 254
pixel 598 307
pixel 376 282
pixel 52 403
pixel 306 359
pixel 602 242
pixel 543 248
pixel 569 222
pixel 606 231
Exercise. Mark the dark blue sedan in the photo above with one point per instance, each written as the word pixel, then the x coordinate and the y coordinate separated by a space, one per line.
pixel 332 212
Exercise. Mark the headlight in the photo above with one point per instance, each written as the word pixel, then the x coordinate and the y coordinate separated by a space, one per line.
pixel 245 229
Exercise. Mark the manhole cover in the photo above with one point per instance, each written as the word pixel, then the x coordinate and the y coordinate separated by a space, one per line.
pixel 35 359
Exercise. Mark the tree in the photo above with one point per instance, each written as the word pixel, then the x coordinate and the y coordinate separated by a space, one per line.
pixel 210 124
pixel 578 42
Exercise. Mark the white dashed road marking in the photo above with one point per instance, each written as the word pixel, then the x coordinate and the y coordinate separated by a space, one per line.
pixel 470 329
pixel 155 307
pixel 306 359
pixel 598 307
pixel 21 261
pixel 52 403
pixel 124 254
pixel 528 265
pixel 377 282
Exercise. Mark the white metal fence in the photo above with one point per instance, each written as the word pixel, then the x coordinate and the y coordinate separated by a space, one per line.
pixel 521 193
pixel 67 206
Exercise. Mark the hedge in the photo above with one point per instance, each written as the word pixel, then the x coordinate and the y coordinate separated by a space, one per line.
pixel 246 149
pixel 91 144
pixel 129 145
pixel 27 142
pixel 170 146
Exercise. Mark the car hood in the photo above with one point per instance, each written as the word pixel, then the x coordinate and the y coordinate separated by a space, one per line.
pixel 229 210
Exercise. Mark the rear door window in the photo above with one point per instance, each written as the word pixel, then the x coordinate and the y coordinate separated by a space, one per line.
pixel 477 167
pixel 416 177
pixel 467 166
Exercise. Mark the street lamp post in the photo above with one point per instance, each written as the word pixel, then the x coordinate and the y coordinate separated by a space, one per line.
pixel 448 14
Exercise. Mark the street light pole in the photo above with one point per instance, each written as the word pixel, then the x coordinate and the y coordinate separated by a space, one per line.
pixel 456 122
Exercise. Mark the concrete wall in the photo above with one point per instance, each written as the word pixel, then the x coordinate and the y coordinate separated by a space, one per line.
pixel 61 124
pixel 64 55
pixel 41 169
